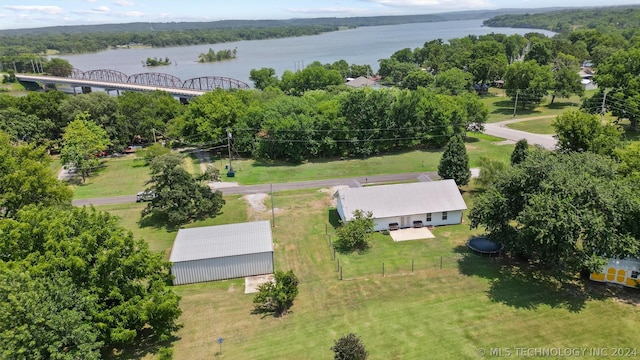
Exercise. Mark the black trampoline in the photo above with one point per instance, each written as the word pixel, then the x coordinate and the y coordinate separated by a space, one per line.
pixel 482 246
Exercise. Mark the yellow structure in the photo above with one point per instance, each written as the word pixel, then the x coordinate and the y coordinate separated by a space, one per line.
pixel 620 271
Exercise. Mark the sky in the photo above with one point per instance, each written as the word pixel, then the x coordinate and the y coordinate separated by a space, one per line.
pixel 18 14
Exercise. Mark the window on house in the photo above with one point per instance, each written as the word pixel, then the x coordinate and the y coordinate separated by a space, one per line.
pixel 444 215
pixel 428 217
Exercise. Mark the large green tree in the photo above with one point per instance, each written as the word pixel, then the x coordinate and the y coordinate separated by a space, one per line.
pixel 58 67
pixel 528 81
pixel 565 76
pixel 180 197
pixel 45 317
pixel 102 110
pixel 82 139
pixel 565 212
pixel 619 75
pixel 26 178
pixel 119 285
pixel 580 131
pixel 263 78
pixel 454 163
pixel 145 115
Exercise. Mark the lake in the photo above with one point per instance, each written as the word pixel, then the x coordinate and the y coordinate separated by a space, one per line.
pixel 364 45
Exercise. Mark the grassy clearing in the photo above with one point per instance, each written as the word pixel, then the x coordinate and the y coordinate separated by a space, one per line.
pixel 128 175
pixel 161 240
pixel 538 126
pixel 447 313
pixel 249 172
pixel 119 176
pixel 501 106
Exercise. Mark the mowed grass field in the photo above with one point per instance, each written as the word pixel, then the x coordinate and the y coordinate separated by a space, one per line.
pixel 471 305
pixel 501 106
pixel 128 175
pixel 250 172
pixel 537 126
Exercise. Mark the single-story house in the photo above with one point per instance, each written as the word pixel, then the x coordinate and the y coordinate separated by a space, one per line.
pixel 360 81
pixel 404 205
pixel 222 252
pixel 619 271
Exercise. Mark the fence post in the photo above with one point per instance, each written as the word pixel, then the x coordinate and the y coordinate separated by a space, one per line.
pixel 440 261
pixel 412 266
pixel 383 269
pixel 340 272
pixel 338 268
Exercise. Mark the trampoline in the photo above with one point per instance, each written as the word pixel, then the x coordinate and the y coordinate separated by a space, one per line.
pixel 482 246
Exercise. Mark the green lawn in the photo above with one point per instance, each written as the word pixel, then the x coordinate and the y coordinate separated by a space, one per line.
pixel 538 126
pixel 501 106
pixel 471 303
pixel 160 239
pixel 128 175
pixel 119 176
pixel 249 172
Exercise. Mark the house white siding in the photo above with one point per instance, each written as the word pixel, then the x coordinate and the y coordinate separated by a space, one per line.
pixel 188 272
pixel 404 203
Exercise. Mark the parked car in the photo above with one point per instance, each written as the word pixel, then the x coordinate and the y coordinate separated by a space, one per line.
pixel 146 195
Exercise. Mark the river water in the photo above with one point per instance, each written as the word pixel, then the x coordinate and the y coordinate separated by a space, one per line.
pixel 364 45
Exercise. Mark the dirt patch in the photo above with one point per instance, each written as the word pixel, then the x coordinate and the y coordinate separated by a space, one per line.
pixel 251 283
pixel 470 147
pixel 290 247
pixel 257 208
pixel 256 201
pixel 331 191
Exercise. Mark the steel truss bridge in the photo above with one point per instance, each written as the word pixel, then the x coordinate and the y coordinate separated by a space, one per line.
pixel 150 81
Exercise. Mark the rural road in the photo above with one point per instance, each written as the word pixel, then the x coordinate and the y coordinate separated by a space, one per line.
pixel 500 129
pixel 266 188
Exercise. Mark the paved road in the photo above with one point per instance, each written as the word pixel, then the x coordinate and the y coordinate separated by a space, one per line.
pixel 266 188
pixel 500 129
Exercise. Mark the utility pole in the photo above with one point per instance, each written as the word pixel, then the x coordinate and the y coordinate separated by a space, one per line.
pixel 604 107
pixel 515 106
pixel 229 147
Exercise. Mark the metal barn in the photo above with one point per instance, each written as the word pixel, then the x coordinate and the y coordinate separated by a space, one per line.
pixel 222 252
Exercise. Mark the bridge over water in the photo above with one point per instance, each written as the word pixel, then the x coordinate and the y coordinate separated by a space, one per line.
pixel 150 81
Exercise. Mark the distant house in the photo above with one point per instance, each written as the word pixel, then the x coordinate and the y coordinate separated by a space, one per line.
pixel 360 82
pixel 404 205
pixel 222 252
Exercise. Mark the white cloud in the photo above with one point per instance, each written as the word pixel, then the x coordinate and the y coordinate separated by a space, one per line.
pixel 133 14
pixel 101 9
pixel 51 10
pixel 124 3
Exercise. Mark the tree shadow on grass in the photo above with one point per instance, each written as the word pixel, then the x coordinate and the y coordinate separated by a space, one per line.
pixel 522 285
pixel 156 221
pixel 145 345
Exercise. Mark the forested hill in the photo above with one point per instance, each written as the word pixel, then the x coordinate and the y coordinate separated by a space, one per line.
pixel 256 24
pixel 606 19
